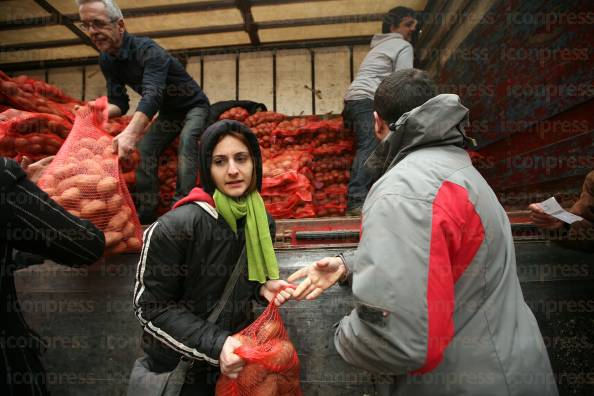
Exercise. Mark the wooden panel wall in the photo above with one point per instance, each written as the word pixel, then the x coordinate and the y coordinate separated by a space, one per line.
pixel 219 77
pixel 332 73
pixel 359 52
pixel 94 83
pixel 36 74
pixel 69 79
pixel 256 77
pixel 194 68
pixel 294 83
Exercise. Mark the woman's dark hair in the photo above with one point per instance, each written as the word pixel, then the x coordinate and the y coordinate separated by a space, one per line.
pixel 253 186
pixel 401 92
pixel 395 16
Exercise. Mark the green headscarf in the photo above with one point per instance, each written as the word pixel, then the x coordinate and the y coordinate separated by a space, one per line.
pixel 262 264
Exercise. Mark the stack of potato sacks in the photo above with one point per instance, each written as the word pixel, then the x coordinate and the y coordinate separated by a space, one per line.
pixel 85 179
pixel 286 184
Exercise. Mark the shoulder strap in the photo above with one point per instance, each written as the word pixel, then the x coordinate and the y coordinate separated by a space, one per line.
pixel 237 270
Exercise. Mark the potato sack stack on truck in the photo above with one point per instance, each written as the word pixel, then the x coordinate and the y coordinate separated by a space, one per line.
pixel 406 151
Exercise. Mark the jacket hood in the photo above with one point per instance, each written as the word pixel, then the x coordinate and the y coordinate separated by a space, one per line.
pixel 381 37
pixel 208 141
pixel 438 122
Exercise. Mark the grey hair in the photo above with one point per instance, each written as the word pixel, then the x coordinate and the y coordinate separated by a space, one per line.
pixel 113 11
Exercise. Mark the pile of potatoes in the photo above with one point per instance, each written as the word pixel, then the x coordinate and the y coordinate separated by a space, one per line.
pixel 85 181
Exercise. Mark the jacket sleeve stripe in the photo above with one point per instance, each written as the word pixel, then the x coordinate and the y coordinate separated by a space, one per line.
pixel 456 236
pixel 148 326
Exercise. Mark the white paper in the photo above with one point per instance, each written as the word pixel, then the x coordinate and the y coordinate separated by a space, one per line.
pixel 552 207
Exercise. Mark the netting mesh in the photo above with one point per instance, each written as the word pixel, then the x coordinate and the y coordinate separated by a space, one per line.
pixel 85 179
pixel 272 366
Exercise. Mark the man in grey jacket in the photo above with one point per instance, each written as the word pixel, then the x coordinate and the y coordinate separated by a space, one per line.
pixel 390 51
pixel 438 304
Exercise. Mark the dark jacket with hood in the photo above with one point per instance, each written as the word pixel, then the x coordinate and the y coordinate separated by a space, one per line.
pixel 187 257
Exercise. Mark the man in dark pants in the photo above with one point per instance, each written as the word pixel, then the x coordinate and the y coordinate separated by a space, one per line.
pixel 165 87
pixel 32 222
pixel 390 51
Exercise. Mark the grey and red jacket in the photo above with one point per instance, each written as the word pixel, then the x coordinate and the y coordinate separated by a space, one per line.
pixel 438 304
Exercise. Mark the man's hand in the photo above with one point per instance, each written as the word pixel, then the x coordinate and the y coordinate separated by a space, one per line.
pixel 123 145
pixel 319 276
pixel 231 364
pixel 270 289
pixel 543 220
pixel 34 170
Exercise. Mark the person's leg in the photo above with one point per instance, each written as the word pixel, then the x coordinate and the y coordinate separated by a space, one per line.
pixel 187 163
pixel 160 135
pixel 358 115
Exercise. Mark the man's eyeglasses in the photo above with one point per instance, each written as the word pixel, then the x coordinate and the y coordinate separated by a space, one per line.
pixel 96 24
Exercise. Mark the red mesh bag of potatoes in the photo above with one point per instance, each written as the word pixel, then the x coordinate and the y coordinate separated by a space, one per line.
pixel 272 366
pixel 85 179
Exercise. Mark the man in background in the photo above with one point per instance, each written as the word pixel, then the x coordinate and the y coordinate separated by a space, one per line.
pixel 165 87
pixel 390 51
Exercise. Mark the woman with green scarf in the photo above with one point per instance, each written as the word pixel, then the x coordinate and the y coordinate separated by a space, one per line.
pixel 189 255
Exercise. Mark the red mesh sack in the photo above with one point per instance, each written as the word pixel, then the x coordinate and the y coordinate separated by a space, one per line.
pixel 264 116
pixel 272 366
pixel 85 179
pixel 235 113
pixel 24 122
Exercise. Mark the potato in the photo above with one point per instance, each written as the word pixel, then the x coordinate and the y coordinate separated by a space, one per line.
pixel 119 248
pixel 287 384
pixel 112 238
pixel 74 212
pixel 90 144
pixel 269 331
pixel 95 208
pixel 282 354
pixel 65 171
pixel 117 222
pixel 104 141
pixel 83 154
pixel 71 194
pixel 129 230
pixel 88 183
pixel 92 167
pixel 107 152
pixel 49 191
pixel 110 166
pixel 114 203
pixel 245 340
pixel 266 388
pixel 134 244
pixel 108 185
pixel 67 183
pixel 251 375
pixel 48 181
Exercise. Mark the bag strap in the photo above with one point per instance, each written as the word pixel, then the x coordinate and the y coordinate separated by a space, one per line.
pixel 237 270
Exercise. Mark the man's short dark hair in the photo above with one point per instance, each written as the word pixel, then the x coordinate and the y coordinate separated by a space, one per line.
pixel 395 16
pixel 401 92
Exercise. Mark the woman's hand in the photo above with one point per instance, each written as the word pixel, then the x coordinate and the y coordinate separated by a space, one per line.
pixel 543 220
pixel 319 276
pixel 270 289
pixel 231 364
